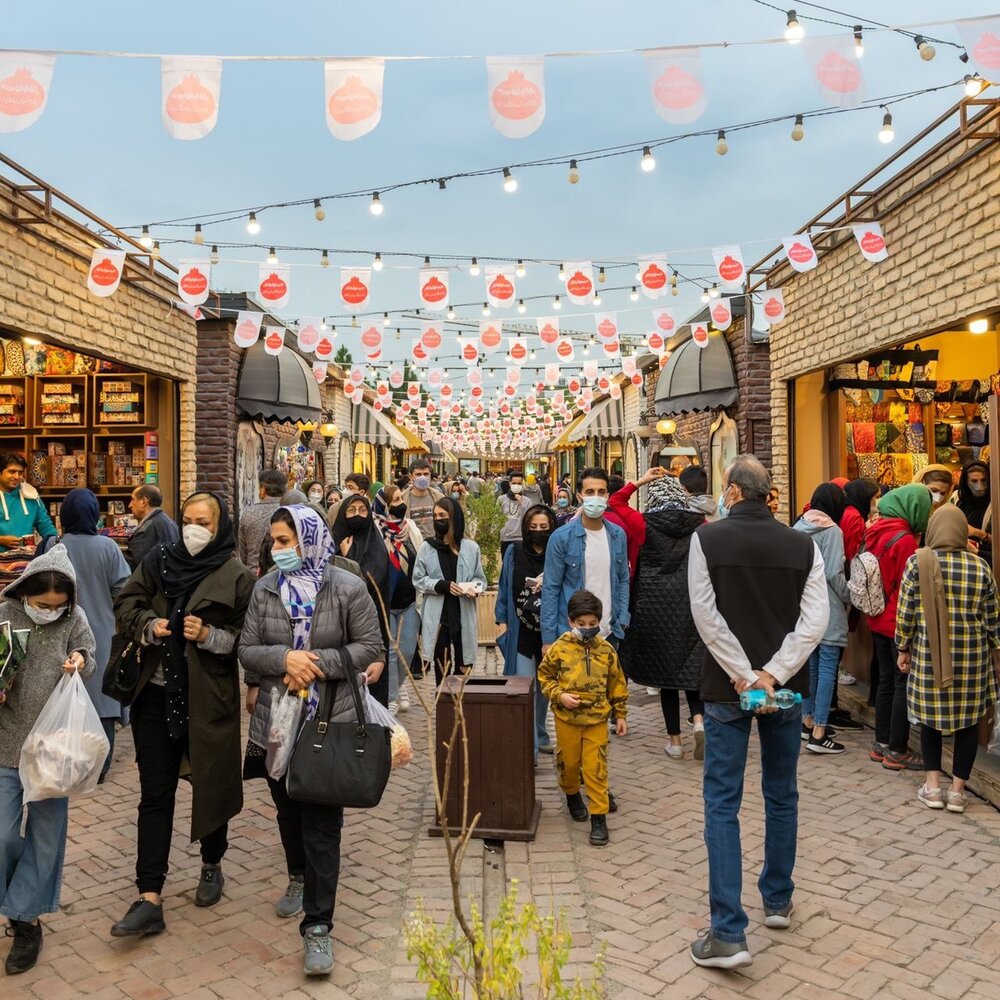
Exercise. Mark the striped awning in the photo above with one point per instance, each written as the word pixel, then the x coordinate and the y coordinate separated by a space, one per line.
pixel 372 427
pixel 414 443
pixel 605 420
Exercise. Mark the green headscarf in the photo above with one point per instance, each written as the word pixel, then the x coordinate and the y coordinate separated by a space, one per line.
pixel 911 503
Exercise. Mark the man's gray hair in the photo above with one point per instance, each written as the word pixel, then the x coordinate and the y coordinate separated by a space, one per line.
pixel 750 476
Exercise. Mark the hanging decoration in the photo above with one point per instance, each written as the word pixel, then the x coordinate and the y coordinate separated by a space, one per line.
pixel 677 84
pixel 193 280
pixel 430 336
pixel 606 324
pixel 551 373
pixel 981 38
pixel 396 376
pixel 105 273
pixel 517 350
pixel 772 305
pixel 800 252
pixel 833 61
pixel 580 282
pixel 371 340
pixel 324 349
pixel 871 242
pixel 729 266
pixel 490 335
pixel 247 331
pixel 355 285
pixel 699 334
pixel 309 332
pixel 721 313
pixel 353 98
pixel 434 288
pixel 274 340
pixel 319 370
pixel 468 349
pixel 665 321
pixel 25 80
pixel 190 87
pixel 272 285
pixel 612 348
pixel 564 349
pixel 516 94
pixel 548 329
pixel 499 287
pixel 653 276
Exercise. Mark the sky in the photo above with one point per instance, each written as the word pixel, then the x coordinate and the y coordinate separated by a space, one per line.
pixel 101 140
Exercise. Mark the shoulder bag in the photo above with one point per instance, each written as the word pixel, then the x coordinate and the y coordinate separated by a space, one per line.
pixel 340 763
pixel 121 677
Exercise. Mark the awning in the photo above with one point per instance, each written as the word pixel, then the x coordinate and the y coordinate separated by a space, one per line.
pixel 413 442
pixel 697 378
pixel 561 441
pixel 372 427
pixel 605 420
pixel 277 387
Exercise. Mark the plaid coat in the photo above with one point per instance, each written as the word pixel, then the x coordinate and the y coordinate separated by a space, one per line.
pixel 974 624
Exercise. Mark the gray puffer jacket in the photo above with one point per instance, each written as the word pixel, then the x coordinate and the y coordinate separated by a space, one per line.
pixel 344 618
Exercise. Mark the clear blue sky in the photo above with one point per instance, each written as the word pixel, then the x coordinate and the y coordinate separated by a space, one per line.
pixel 101 140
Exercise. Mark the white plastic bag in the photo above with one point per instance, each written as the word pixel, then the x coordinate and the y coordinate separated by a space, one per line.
pixel 993 746
pixel 283 732
pixel 66 748
pixel 377 713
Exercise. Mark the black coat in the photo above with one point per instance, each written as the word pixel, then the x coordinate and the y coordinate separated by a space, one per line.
pixel 661 647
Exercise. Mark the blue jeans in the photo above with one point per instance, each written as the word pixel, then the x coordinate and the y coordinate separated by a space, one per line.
pixel 527 667
pixel 30 866
pixel 823 665
pixel 404 626
pixel 727 735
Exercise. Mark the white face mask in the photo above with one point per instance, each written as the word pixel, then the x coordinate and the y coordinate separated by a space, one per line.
pixel 315 495
pixel 516 488
pixel 42 616
pixel 196 538
pixel 936 497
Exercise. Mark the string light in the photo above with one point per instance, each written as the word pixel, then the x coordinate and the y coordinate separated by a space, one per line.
pixel 648 161
pixel 145 239
pixel 721 146
pixel 324 259
pixel 924 47
pixel 705 296
pixel 562 272
pixel 520 270
pixel 574 172
pixel 859 42
pixel 974 85
pixel 557 303
pixel 509 181
pixel 451 312
pixel 213 257
pixel 486 308
pixel 155 252
pixel 634 294
pixel 714 292
pixel 272 256
pixel 601 276
pixel 319 213
pixel 886 134
pixel 474 267
pixel 376 207
pixel 323 327
pixel 597 298
pixel 673 278
pixel 521 307
pixel 798 129
pixel 199 237
pixel 427 262
pixel 385 319
pixel 794 32
pixel 377 262
pixel 253 226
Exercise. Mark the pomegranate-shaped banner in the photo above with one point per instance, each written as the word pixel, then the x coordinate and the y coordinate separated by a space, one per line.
pixel 356 375
pixel 516 87
pixel 193 280
pixel 396 377
pixel 435 376
pixel 475 377
pixel 637 378
pixel 324 349
pixel 189 98
pixel 677 84
pixel 604 383
pixel 800 252
pixel 606 325
pixel 274 339
pixel 772 306
pixel 490 335
pixel 628 365
pixel 590 370
pixel 611 348
pixel 653 277
pixel 665 321
pixel 353 96
pixel 517 350
pixel 580 281
pixel 551 374
pixel 371 339
pixel 418 352
pixel 833 61
pixel 247 330
pixel 656 341
pixel 272 285
pixel 319 371
pixel 615 392
pixel 699 334
pixel 355 283
pixel 309 333
pixel 105 272
pixel 430 336
pixel 513 376
pixel 434 288
pixel 500 287
pixel 981 38
pixel 468 349
pixel 871 242
pixel 25 79
pixel 356 394
pixel 729 266
pixel 548 329
pixel 721 313
pixel 564 349
pixel 193 311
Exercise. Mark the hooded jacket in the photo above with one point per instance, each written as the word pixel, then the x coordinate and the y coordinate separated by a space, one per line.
pixel 46 651
pixel 22 512
pixel 589 670
pixel 892 541
pixel 830 542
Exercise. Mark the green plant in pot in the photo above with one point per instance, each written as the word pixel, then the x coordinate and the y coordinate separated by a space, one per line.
pixel 486 520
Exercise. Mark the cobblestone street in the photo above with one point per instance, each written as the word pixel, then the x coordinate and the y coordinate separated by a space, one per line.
pixel 892 899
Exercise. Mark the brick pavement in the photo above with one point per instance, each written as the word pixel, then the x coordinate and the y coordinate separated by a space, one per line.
pixel 892 901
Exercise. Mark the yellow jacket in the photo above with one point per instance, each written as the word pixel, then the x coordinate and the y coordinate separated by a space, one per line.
pixel 589 670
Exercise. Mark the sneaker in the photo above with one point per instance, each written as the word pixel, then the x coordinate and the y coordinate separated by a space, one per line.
pixel 878 752
pixel 699 744
pixel 677 752
pixel 652 692
pixel 781 919
pixel 843 720
pixel 904 760
pixel 291 903
pixel 546 747
pixel 577 807
pixel 318 951
pixel 846 679
pixel 957 802
pixel 712 953
pixel 27 944
pixel 394 708
pixel 404 699
pixel 824 745
pixel 806 732
pixel 933 798
pixel 599 831
pixel 209 886
pixel 142 917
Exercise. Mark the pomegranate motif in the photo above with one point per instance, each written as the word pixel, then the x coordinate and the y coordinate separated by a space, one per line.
pixel 837 74
pixel 190 102
pixel 517 97
pixel 354 291
pixel 501 288
pixel 20 94
pixel 730 269
pixel 434 291
pixel 579 285
pixel 104 273
pixel 677 89
pixel 194 283
pixel 353 102
pixel 273 288
pixel 654 277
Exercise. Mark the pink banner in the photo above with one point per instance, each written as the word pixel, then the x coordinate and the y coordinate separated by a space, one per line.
pixel 800 252
pixel 981 38
pixel 836 69
pixel 677 84
pixel 310 330
pixel 516 88
pixel 353 96
pixel 871 242
pixel 247 330
pixel 189 99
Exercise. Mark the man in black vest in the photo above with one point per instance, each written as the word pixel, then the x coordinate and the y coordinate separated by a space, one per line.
pixel 759 600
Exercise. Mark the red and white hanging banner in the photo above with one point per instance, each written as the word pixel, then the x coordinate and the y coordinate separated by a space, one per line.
pixel 418 352
pixel 468 350
pixel 615 392
pixel 475 377
pixel 272 285
pixel 606 324
pixel 628 365
pixel 25 80
pixel 499 287
pixel 772 305
pixel 729 266
pixel 677 83
pixel 513 376
pixel 833 61
pixel 551 374
pixel 355 392
pixel 319 371
pixel 490 335
pixel 590 370
pixel 665 321
pixel 193 280
pixel 383 392
pixel 189 95
pixel 653 276
pixel 871 242
pixel 721 313
pixel 656 342
pixel 564 349
pixel 193 311
pixel 247 331
pixel 516 87
pixel 274 339
pixel 375 355
pixel 396 376
pixel 517 350
pixel 413 390
pixel 699 334
pixel 431 336
pixel 371 340
pixel 800 252
pixel 356 375
pixel 580 281
pixel 548 329
pixel 981 38
pixel 611 348
pixel 324 349
pixel 105 272
pixel 434 288
pixel 309 332
pixel 435 377
pixel 353 97
pixel 355 285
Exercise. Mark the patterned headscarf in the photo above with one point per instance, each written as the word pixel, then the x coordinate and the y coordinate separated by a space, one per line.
pixel 666 493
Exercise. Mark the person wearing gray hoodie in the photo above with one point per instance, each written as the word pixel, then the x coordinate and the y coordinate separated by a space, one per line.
pixel 821 522
pixel 45 635
pixel 694 479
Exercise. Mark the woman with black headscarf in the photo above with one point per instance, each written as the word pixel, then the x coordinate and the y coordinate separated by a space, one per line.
pixel 975 503
pixel 185 603
pixel 860 495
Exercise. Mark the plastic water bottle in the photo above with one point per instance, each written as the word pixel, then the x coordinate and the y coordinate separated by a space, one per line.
pixel 755 699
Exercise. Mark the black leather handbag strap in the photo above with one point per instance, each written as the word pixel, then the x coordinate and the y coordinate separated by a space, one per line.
pixel 326 706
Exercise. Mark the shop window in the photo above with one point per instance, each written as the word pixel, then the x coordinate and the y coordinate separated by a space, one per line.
pixel 297 462
pixel 724 446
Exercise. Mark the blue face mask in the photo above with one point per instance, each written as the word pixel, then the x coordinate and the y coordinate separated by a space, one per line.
pixel 562 502
pixel 287 560
pixel 723 507
pixel 594 506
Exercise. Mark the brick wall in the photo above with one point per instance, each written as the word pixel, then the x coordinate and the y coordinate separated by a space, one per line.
pixel 218 374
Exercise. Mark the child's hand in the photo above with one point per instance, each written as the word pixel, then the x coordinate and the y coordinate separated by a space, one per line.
pixel 569 700
pixel 621 728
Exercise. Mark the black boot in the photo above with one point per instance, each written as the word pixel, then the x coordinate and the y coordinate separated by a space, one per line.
pixel 612 803
pixel 209 886
pixel 599 831
pixel 143 917
pixel 27 944
pixel 577 807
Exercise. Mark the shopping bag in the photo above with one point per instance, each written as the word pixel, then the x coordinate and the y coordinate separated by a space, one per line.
pixel 376 712
pixel 993 746
pixel 65 749
pixel 282 732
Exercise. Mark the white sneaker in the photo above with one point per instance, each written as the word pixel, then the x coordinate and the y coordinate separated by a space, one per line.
pixel 652 691
pixel 393 708
pixel 404 699
pixel 674 751
pixel 846 679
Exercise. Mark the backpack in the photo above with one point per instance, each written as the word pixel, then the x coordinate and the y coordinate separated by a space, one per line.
pixel 868 593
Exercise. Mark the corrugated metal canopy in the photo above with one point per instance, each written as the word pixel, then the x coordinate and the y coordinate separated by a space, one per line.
pixel 697 378
pixel 277 387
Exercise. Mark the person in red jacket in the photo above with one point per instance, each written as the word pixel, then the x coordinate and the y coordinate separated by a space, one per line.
pixel 860 493
pixel 627 518
pixel 892 539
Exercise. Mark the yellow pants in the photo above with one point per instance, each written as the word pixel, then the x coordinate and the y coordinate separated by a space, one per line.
pixel 584 749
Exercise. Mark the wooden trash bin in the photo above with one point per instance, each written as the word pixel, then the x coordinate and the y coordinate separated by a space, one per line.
pixel 500 725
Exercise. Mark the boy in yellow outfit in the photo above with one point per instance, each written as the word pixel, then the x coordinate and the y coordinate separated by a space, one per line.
pixel 581 676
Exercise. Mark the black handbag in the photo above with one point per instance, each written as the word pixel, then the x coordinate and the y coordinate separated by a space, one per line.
pixel 121 677
pixel 340 763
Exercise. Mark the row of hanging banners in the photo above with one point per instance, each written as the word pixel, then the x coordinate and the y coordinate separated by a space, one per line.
pixel 191 86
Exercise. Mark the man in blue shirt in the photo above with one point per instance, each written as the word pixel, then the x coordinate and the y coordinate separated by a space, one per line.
pixel 22 511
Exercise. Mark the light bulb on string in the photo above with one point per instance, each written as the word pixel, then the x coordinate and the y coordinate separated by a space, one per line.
pixel 634 294
pixel 794 32
pixel 155 252
pixel 319 212
pixel 705 296
pixel 377 262
pixel 385 319
pixel 562 272
pixel 721 145
pixel 533 355
pixel 557 303
pixel 145 239
pixel 648 161
pixel 199 237
pixel 973 85
pixel 924 47
pixel 427 262
pixel 322 326
pixel 713 292
pixel 399 334
pixel 376 207
pixel 474 267
pixel 520 270
pixel 213 257
pixel 601 277
pixel 574 172
pixel 354 322
pixel 253 226
pixel 886 133
pixel 521 307
pixel 798 129
pixel 509 181
pixel 451 312
pixel 859 41
pixel 586 348
pixel 486 308
pixel 324 259
pixel 673 278
pixel 272 256
pixel 597 298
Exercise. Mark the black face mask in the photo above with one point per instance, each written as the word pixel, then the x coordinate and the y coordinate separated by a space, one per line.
pixel 398 511
pixel 441 528
pixel 538 537
pixel 357 523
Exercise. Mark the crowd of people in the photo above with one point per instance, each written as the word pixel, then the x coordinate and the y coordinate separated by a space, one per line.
pixel 709 596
